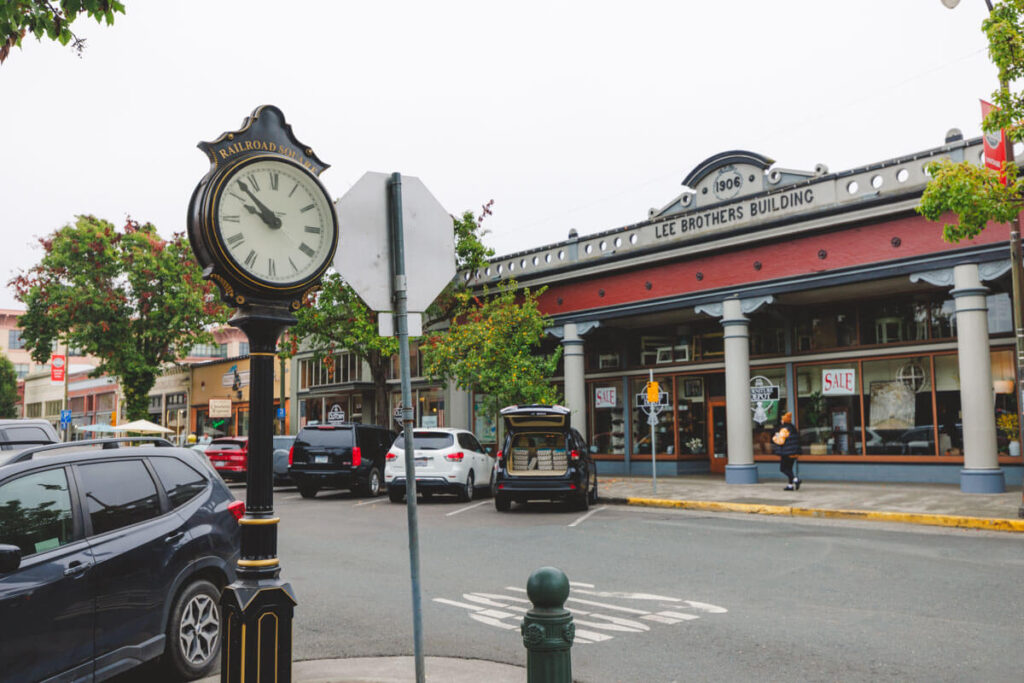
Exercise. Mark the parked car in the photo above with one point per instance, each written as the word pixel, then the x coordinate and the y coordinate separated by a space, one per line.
pixel 282 449
pixel 543 457
pixel 17 435
pixel 111 557
pixel 229 455
pixel 346 455
pixel 447 461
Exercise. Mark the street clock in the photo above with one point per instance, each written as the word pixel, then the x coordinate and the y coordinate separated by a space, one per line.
pixel 261 224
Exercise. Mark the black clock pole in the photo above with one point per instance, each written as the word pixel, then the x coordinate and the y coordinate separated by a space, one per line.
pixel 258 606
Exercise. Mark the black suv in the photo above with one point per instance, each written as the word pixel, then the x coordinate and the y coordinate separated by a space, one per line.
pixel 543 457
pixel 112 556
pixel 345 456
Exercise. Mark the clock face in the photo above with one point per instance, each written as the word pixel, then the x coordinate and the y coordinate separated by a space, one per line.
pixel 275 222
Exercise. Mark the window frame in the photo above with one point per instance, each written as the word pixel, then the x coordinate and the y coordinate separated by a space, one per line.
pixel 162 500
pixel 77 519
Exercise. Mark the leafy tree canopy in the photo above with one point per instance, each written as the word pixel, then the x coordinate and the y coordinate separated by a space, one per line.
pixel 50 18
pixel 8 388
pixel 129 298
pixel 975 194
pixel 493 348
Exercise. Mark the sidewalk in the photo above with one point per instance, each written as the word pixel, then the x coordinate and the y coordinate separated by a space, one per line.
pixel 930 504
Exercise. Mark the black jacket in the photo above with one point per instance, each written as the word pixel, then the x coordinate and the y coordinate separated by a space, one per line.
pixel 792 444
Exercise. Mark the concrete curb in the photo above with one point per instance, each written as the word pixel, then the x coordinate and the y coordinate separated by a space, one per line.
pixel 957 521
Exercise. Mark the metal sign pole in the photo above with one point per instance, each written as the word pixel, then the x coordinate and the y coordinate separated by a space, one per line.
pixel 401 316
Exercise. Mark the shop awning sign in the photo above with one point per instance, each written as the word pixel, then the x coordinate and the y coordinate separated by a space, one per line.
pixel 220 407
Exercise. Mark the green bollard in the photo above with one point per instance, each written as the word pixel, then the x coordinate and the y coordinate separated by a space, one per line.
pixel 548 629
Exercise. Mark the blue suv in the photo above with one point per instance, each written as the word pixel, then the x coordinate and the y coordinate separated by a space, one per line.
pixel 110 557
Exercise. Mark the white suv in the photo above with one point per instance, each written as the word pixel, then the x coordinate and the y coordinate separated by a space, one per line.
pixel 447 461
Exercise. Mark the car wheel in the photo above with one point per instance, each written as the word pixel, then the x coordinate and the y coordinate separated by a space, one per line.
pixel 193 634
pixel 308 490
pixel 371 487
pixel 502 503
pixel 466 493
pixel 396 495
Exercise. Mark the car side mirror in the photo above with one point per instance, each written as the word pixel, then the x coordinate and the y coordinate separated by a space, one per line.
pixel 10 558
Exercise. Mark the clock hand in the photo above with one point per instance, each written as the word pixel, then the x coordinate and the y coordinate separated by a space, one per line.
pixel 266 214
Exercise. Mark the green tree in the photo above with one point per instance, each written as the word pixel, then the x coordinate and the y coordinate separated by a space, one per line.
pixel 976 194
pixel 50 18
pixel 336 318
pixel 129 298
pixel 494 348
pixel 8 388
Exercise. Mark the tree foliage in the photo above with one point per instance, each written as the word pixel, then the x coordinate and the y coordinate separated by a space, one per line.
pixel 50 18
pixel 129 298
pixel 977 195
pixel 493 347
pixel 8 388
pixel 336 319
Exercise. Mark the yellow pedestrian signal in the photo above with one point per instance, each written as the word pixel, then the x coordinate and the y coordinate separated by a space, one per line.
pixel 652 392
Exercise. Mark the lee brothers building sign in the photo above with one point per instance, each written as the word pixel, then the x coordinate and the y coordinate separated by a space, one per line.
pixel 724 184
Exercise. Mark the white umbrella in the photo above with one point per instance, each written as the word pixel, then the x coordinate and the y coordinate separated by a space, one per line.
pixel 142 426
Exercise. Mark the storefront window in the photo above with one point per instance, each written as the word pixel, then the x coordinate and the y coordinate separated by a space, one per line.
pixel 691 407
pixel 1005 403
pixel 243 423
pixel 828 409
pixel 663 430
pixel 767 334
pixel 898 404
pixel 887 322
pixel 484 424
pixel 431 408
pixel 608 427
pixel 830 328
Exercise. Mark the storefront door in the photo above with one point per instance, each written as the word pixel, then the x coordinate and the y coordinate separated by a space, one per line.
pixel 718 452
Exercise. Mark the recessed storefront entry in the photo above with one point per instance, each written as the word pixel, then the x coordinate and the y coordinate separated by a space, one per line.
pixel 719 450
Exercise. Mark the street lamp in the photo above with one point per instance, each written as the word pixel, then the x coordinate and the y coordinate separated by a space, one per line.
pixel 1017 293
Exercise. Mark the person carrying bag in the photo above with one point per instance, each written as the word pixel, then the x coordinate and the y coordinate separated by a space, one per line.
pixel 787 446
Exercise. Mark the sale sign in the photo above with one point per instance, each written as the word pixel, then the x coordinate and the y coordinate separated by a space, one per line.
pixel 604 397
pixel 57 367
pixel 838 382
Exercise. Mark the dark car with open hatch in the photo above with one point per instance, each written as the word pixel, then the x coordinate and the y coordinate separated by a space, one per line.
pixel 543 457
pixel 110 557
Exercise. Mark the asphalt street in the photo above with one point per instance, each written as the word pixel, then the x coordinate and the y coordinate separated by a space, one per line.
pixel 659 595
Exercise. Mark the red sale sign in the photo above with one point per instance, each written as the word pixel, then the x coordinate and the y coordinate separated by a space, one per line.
pixel 57 368
pixel 838 382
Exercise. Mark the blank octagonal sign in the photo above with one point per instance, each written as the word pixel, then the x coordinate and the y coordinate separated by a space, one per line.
pixel 364 255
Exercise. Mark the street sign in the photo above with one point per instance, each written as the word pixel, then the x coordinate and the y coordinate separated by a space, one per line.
pixel 280 413
pixel 65 419
pixel 364 251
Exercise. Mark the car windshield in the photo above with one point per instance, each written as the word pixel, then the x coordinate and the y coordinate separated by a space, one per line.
pixel 327 437
pixel 227 445
pixel 427 441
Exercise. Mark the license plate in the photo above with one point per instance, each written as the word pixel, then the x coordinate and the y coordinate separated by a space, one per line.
pixel 320 459
pixel 421 461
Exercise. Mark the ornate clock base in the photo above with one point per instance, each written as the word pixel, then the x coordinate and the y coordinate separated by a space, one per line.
pixel 257 640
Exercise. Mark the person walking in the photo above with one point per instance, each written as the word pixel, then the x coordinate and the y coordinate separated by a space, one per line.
pixel 787 447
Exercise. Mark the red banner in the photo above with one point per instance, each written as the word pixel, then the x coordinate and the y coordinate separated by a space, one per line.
pixel 995 145
pixel 57 368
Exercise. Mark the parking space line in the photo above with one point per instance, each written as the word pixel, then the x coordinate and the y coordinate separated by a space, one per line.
pixel 372 502
pixel 468 507
pixel 588 514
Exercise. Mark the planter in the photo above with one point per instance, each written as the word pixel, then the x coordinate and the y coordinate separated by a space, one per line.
pixel 819 449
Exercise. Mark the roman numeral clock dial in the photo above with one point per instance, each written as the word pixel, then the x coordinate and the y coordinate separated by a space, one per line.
pixel 274 222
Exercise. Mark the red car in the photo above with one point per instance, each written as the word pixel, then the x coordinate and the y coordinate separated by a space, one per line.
pixel 229 455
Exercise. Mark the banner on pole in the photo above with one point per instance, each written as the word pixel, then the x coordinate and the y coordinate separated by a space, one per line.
pixel 994 145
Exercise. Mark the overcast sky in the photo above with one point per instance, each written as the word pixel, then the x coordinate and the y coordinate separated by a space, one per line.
pixel 568 114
